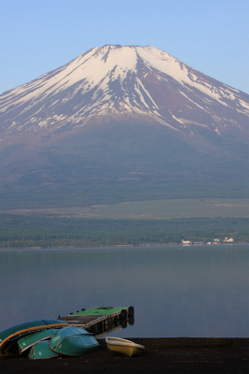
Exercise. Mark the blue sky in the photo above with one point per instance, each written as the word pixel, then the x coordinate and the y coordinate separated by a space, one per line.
pixel 38 36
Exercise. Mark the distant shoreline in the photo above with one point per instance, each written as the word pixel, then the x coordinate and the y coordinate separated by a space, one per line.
pixel 128 246
pixel 39 232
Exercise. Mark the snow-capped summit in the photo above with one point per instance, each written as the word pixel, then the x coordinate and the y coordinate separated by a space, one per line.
pixel 120 82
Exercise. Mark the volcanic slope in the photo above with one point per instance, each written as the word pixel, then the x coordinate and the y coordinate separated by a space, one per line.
pixel 121 120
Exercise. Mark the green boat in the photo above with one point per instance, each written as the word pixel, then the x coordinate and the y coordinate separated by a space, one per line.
pixel 42 350
pixel 73 341
pixel 9 336
pixel 28 341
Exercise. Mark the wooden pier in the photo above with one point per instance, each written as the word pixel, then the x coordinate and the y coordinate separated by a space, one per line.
pixel 101 320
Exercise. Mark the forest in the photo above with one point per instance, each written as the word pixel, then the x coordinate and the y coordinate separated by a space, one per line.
pixel 34 231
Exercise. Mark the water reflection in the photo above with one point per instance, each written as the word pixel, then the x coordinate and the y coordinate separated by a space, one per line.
pixel 196 291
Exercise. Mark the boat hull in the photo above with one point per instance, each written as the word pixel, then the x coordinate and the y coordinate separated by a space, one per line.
pixel 124 346
pixel 9 336
pixel 28 341
pixel 42 350
pixel 73 341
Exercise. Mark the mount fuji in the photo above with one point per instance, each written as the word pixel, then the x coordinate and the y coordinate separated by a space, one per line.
pixel 120 118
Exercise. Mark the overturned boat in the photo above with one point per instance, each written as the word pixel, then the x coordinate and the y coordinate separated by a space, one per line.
pixel 9 337
pixel 30 340
pixel 42 350
pixel 73 341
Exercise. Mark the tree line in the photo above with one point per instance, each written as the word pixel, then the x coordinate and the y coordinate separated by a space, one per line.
pixel 18 231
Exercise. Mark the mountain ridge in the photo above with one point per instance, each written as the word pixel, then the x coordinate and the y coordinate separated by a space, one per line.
pixel 101 82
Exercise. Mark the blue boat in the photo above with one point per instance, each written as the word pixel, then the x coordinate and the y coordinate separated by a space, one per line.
pixel 28 341
pixel 9 336
pixel 73 341
pixel 42 350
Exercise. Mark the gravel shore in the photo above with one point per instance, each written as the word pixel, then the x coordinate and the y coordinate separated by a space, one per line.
pixel 162 355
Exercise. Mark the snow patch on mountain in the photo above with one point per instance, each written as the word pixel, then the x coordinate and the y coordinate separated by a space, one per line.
pixel 100 66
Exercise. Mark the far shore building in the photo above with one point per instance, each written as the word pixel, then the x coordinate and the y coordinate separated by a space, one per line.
pixel 186 242
pixel 229 240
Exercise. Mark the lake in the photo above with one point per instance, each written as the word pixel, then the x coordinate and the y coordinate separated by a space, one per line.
pixel 176 291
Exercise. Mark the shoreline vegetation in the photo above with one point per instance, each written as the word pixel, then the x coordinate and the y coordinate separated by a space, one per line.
pixel 34 231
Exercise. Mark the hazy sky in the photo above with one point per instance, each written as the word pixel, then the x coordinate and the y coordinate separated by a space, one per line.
pixel 38 36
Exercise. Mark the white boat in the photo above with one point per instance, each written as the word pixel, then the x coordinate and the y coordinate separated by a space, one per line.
pixel 124 346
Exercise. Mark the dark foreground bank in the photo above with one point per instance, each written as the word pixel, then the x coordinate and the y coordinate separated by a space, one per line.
pixel 162 355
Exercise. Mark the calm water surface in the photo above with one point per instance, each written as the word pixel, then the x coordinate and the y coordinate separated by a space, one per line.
pixel 197 291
